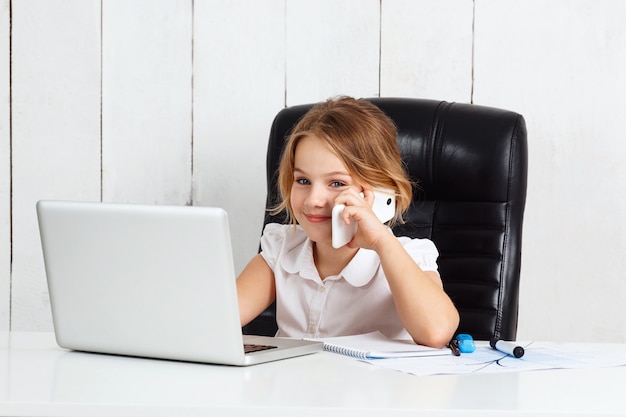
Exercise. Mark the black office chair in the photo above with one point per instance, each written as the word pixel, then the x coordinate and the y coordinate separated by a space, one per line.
pixel 471 165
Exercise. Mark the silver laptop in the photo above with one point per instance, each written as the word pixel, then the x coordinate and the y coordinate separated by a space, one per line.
pixel 149 281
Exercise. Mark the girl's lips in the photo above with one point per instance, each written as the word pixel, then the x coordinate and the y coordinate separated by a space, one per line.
pixel 316 218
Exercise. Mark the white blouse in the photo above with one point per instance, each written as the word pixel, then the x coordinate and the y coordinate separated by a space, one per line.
pixel 356 301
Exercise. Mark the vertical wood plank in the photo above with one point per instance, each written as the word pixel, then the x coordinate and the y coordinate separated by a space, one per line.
pixel 562 64
pixel 332 49
pixel 426 49
pixel 146 101
pixel 5 168
pixel 238 88
pixel 55 131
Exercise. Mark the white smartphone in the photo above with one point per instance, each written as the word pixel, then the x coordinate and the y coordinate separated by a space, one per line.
pixel 384 208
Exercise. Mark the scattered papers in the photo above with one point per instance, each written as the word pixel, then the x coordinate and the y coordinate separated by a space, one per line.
pixel 539 355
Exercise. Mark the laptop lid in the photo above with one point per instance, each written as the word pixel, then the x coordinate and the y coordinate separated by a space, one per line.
pixel 147 280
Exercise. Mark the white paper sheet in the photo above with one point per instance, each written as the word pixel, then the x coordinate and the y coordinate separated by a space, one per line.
pixel 538 355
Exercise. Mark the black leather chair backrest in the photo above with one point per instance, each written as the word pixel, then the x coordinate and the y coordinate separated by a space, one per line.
pixel 470 163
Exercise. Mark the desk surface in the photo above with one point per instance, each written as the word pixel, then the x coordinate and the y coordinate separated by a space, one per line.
pixel 37 378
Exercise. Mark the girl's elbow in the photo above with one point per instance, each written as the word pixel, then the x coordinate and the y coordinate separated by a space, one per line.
pixel 439 334
pixel 437 339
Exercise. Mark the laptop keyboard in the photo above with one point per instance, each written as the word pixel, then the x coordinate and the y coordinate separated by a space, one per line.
pixel 249 347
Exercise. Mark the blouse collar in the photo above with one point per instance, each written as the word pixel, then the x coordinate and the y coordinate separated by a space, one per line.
pixel 359 272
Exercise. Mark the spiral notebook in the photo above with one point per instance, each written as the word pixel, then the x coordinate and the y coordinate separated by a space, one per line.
pixel 375 345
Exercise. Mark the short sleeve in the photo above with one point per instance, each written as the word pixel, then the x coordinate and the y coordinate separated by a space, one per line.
pixel 278 239
pixel 423 251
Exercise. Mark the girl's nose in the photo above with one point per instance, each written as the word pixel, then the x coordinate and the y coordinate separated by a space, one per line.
pixel 317 197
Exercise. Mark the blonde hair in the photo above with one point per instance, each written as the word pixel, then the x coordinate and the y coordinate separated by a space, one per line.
pixel 362 137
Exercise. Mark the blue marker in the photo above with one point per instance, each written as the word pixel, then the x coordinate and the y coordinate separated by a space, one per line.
pixel 510 348
pixel 466 343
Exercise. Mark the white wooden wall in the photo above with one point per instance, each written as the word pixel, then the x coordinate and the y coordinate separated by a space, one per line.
pixel 5 169
pixel 170 102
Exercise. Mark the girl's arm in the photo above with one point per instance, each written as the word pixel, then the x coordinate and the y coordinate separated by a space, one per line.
pixel 424 308
pixel 256 289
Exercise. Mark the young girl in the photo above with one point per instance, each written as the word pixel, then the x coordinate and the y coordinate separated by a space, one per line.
pixel 336 154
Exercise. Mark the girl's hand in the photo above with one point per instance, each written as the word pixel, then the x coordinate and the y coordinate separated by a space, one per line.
pixel 359 209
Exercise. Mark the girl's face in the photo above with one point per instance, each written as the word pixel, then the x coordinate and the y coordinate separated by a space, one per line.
pixel 319 177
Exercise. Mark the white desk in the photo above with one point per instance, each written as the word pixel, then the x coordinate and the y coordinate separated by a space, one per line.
pixel 39 379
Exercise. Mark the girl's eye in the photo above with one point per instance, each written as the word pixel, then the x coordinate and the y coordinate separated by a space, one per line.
pixel 302 181
pixel 337 184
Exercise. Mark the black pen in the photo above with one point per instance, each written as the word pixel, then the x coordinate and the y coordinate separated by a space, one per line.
pixel 510 348
pixel 454 347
